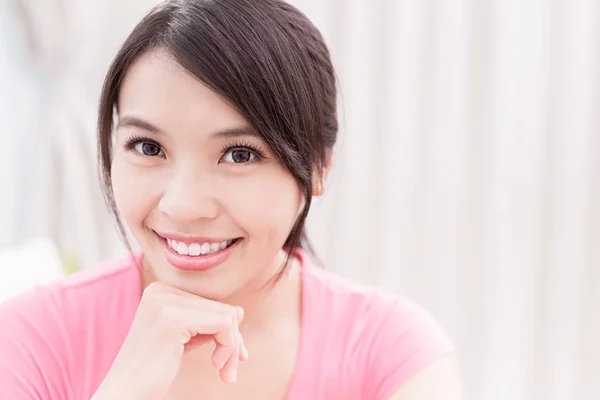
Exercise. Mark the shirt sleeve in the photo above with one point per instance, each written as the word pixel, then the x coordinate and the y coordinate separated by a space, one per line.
pixel 34 350
pixel 406 340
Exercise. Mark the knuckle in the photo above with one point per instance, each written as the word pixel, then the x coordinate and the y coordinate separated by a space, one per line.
pixel 232 321
pixel 228 324
pixel 232 312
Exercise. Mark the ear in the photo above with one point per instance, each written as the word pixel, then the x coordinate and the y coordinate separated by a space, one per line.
pixel 320 177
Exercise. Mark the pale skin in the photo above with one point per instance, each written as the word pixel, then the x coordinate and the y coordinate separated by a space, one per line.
pixel 193 168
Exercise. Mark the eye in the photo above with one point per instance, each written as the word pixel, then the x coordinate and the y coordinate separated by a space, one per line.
pixel 239 156
pixel 146 148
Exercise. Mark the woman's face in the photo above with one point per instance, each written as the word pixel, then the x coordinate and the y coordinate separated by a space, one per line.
pixel 190 176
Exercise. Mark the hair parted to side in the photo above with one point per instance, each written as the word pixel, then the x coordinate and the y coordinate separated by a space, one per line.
pixel 265 58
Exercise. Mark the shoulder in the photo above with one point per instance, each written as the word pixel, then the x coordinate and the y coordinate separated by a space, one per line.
pixel 70 303
pixel 68 296
pixel 376 309
pixel 67 293
pixel 389 336
pixel 45 331
pixel 108 273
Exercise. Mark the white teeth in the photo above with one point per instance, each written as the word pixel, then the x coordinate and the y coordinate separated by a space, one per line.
pixel 182 248
pixel 205 248
pixel 196 249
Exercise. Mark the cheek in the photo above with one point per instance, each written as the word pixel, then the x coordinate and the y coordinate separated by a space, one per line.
pixel 133 191
pixel 268 207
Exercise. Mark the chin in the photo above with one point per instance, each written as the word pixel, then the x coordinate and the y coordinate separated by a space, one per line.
pixel 214 284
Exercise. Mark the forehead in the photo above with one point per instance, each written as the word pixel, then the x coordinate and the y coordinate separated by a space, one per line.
pixel 156 88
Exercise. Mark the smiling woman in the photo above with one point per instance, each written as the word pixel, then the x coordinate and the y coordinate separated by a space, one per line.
pixel 225 118
pixel 206 176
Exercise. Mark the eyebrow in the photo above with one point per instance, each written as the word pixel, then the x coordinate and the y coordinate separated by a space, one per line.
pixel 135 122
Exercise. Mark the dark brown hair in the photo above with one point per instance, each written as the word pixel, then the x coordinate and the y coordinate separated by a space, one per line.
pixel 264 57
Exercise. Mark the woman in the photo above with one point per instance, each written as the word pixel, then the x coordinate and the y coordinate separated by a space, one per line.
pixel 216 125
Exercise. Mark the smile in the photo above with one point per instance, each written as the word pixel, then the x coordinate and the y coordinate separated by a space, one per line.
pixel 196 253
pixel 198 249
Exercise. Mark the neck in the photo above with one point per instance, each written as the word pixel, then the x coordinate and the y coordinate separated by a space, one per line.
pixel 270 296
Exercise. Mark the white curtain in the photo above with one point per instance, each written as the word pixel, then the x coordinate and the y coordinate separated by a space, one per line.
pixel 19 100
pixel 66 43
pixel 467 174
pixel 468 178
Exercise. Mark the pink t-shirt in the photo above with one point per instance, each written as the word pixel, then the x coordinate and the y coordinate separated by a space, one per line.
pixel 59 341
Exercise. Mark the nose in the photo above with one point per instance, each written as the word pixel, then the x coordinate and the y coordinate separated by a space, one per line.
pixel 188 197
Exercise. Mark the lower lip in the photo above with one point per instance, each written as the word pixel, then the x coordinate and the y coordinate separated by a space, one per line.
pixel 197 263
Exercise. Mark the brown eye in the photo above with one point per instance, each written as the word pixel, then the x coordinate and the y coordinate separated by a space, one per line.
pixel 239 156
pixel 148 149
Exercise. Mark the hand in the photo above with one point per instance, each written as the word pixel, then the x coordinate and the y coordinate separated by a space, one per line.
pixel 168 323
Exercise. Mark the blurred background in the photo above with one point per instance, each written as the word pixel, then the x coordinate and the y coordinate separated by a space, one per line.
pixel 467 176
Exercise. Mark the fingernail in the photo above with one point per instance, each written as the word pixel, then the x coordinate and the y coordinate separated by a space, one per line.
pixel 233 376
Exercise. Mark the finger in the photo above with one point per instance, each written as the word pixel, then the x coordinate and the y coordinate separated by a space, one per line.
pixel 242 346
pixel 220 356
pixel 220 326
pixel 243 350
pixel 186 299
pixel 235 314
pixel 179 296
pixel 191 300
pixel 189 323
pixel 229 371
pixel 220 329
pixel 244 353
pixel 197 341
pixel 240 313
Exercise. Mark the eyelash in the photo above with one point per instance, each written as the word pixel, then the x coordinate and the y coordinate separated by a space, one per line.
pixel 239 144
pixel 135 140
pixel 245 145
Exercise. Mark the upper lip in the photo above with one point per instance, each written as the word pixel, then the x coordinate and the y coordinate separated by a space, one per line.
pixel 193 239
